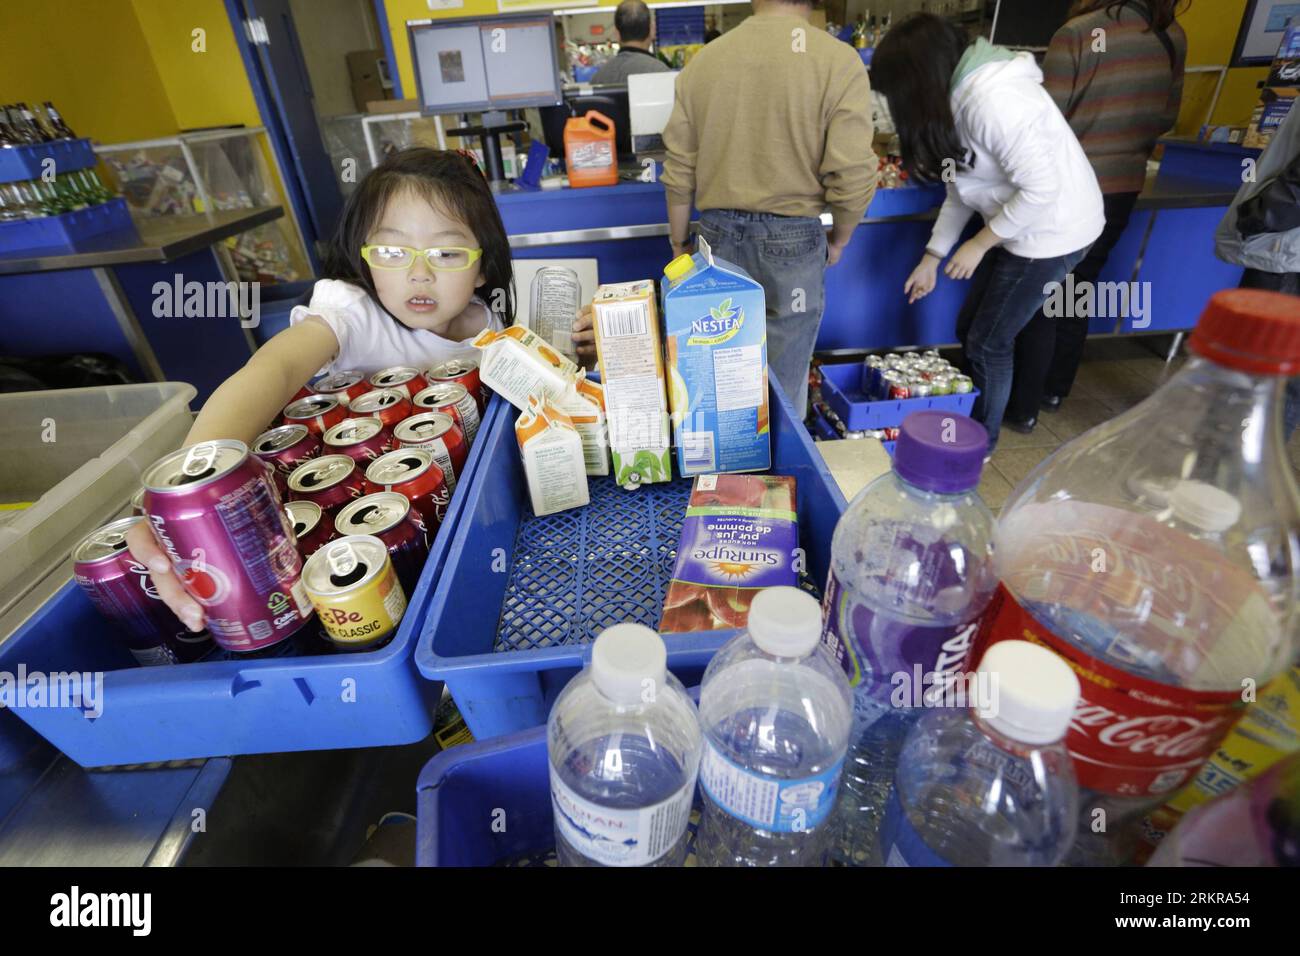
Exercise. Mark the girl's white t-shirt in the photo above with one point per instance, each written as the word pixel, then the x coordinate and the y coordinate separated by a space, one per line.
pixel 370 339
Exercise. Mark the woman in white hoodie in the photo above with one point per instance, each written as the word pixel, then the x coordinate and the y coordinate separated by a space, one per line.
pixel 976 117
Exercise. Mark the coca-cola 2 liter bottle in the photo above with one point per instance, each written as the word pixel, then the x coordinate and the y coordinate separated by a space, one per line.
pixel 1158 555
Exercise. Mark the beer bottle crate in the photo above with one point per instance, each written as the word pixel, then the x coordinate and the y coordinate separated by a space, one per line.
pixel 19 163
pixel 521 598
pixel 69 231
pixel 225 707
pixel 842 391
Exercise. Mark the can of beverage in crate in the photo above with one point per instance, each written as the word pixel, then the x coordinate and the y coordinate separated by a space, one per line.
pixel 330 480
pixel 962 385
pixel 122 590
pixel 319 413
pixel 355 590
pixel 137 503
pixel 404 378
pixel 891 434
pixel 389 405
pixel 312 526
pixel 941 385
pixel 895 385
pixel 361 439
pixel 344 386
pixel 215 511
pixel 462 371
pixel 454 400
pixel 284 449
pixel 441 435
pixel 930 354
pixel 854 435
pixel 388 516
pixel 877 433
pixel 920 388
pixel 414 473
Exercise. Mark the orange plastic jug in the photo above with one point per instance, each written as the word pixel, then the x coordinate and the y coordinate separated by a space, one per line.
pixel 589 150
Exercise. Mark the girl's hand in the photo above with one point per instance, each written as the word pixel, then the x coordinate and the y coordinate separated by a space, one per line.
pixel 144 548
pixel 584 337
pixel 923 279
pixel 966 260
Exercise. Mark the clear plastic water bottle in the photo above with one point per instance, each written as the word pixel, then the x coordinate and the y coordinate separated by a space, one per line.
pixel 624 745
pixel 911 573
pixel 990 785
pixel 1158 553
pixel 776 710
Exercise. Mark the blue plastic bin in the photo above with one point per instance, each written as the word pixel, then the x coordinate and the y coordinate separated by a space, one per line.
pixel 69 231
pixel 521 598
pixel 28 162
pixel 223 707
pixel 842 391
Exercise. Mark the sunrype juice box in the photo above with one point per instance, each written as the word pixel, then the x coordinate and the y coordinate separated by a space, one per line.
pixel 715 346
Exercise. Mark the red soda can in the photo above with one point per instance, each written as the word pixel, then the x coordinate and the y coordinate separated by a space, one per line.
pixel 388 516
pixel 137 503
pixel 319 413
pixel 214 509
pixel 344 386
pixel 439 434
pixel 414 473
pixel 896 385
pixel 121 589
pixel 891 434
pixel 462 371
pixel 404 378
pixel 302 392
pixel 361 439
pixel 284 449
pixel 312 526
pixel 330 480
pixel 389 405
pixel 454 400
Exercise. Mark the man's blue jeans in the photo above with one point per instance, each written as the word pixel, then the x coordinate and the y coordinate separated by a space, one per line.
pixel 786 255
pixel 1005 292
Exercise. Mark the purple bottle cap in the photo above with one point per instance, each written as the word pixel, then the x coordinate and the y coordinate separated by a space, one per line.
pixel 941 451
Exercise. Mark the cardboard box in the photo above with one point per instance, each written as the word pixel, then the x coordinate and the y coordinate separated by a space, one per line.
pixel 585 405
pixel 715 343
pixel 551 451
pixel 517 364
pixel 367 76
pixel 626 322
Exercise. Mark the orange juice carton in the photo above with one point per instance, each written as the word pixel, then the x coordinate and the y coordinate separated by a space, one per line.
pixel 551 450
pixel 517 363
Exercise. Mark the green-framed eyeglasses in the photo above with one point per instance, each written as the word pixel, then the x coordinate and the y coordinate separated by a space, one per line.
pixel 441 259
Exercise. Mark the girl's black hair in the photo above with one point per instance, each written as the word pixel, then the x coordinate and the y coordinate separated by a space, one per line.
pixel 912 68
pixel 451 182
pixel 1163 12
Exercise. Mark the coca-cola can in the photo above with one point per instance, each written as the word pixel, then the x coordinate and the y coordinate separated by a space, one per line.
pixel 389 405
pixel 137 503
pixel 891 434
pixel 404 378
pixel 361 439
pixel 414 473
pixel 441 435
pixel 284 449
pixel 344 386
pixel 312 526
pixel 122 590
pixel 319 413
pixel 388 516
pixel 454 400
pixel 330 480
pixel 215 511
pixel 462 372
pixel 894 385
pixel 303 392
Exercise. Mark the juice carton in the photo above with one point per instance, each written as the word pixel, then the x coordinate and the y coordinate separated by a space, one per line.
pixel 715 341
pixel 739 536
pixel 517 363
pixel 586 406
pixel 632 370
pixel 551 451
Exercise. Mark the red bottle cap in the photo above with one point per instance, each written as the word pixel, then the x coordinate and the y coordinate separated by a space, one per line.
pixel 1250 330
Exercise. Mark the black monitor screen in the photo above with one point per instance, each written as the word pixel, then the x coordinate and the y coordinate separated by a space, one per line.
pixel 1029 22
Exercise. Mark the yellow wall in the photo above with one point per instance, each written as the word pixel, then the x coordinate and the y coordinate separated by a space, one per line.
pixel 1211 27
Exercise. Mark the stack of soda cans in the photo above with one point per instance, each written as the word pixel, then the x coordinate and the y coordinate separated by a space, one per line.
pixel 900 375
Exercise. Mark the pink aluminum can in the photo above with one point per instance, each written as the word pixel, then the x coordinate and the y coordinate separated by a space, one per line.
pixel 214 509
pixel 284 449
pixel 361 439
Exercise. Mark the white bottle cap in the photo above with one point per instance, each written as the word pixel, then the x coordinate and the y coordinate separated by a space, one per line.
pixel 785 622
pixel 1205 506
pixel 1031 692
pixel 629 663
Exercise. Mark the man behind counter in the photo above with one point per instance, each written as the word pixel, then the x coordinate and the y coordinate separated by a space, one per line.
pixel 632 21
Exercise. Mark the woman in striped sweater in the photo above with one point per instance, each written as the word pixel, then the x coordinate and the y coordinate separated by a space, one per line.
pixel 1116 71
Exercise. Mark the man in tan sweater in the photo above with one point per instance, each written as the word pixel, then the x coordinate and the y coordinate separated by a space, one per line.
pixel 771 127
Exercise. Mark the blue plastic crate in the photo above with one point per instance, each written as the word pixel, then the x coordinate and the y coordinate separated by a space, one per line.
pixel 69 231
pixel 521 598
pixel 842 391
pixel 224 707
pixel 28 162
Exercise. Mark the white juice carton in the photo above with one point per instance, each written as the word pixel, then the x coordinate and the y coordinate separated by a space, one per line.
pixel 585 405
pixel 551 450
pixel 626 322
pixel 715 342
pixel 517 363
